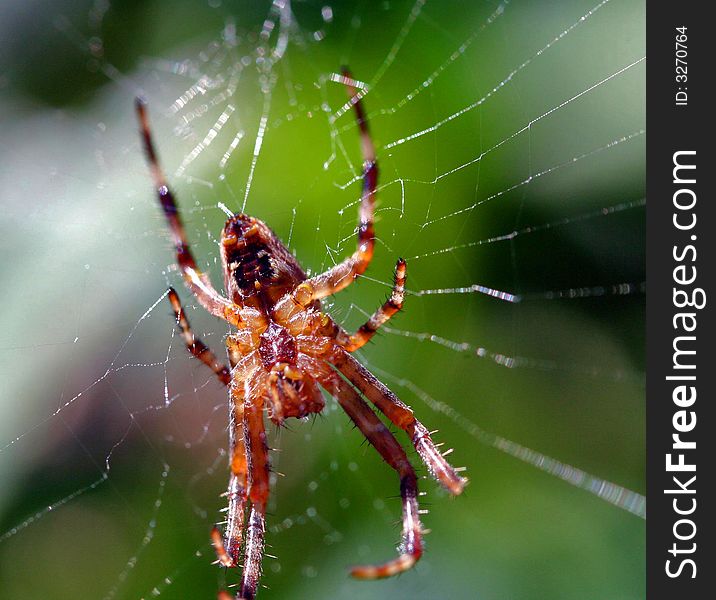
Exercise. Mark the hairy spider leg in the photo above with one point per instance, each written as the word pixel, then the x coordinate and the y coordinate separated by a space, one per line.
pixel 196 347
pixel 402 416
pixel 411 547
pixel 196 281
pixel 258 468
pixel 365 332
pixel 342 275
pixel 228 549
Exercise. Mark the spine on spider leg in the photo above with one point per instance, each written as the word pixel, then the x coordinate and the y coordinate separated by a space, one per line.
pixel 258 469
pixel 233 534
pixel 438 467
pixel 236 493
pixel 254 555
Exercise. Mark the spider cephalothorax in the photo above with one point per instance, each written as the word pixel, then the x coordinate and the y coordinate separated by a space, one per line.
pixel 282 352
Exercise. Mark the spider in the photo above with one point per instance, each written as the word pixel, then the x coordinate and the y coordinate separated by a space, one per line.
pixel 283 350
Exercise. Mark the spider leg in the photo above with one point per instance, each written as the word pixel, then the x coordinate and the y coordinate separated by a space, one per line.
pixel 382 440
pixel 196 347
pixel 402 416
pixel 380 316
pixel 342 275
pixel 258 469
pixel 227 549
pixel 196 281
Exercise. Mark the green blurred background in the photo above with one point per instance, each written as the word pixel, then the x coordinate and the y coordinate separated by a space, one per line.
pixel 95 384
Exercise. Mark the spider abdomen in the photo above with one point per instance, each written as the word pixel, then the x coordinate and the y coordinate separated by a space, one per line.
pixel 277 345
pixel 291 389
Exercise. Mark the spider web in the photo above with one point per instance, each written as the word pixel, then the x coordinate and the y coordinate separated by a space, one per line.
pixel 510 137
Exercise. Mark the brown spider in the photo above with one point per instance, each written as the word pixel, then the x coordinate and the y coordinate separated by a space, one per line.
pixel 283 349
